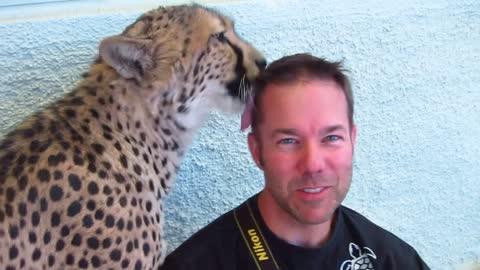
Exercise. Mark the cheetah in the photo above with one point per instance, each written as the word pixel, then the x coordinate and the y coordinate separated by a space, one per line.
pixel 83 181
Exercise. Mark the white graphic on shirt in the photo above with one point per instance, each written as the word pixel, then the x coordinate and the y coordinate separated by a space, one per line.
pixel 361 258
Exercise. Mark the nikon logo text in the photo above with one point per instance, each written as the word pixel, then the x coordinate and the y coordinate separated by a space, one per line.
pixel 257 246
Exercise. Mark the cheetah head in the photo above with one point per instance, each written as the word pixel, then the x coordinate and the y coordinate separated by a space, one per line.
pixel 187 57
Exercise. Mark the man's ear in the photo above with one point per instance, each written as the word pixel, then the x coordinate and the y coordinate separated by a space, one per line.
pixel 353 135
pixel 130 57
pixel 255 151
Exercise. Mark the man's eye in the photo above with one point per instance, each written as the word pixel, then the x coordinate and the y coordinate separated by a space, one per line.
pixel 287 141
pixel 332 138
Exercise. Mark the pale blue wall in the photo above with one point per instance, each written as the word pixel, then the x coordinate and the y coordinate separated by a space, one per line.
pixel 416 76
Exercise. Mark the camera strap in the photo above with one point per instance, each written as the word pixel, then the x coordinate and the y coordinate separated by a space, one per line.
pixel 253 237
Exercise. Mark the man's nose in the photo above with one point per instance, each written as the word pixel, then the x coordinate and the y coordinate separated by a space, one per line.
pixel 313 160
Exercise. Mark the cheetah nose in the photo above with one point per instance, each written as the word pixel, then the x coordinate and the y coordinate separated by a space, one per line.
pixel 261 63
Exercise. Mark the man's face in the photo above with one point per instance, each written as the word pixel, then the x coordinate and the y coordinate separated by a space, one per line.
pixel 304 146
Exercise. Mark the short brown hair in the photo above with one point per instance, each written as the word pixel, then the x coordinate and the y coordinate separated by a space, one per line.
pixel 297 67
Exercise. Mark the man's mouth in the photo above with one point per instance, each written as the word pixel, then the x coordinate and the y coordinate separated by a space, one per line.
pixel 313 190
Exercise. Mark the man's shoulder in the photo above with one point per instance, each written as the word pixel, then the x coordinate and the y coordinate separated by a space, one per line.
pixel 353 218
pixel 218 245
pixel 388 248
pixel 369 230
pixel 206 240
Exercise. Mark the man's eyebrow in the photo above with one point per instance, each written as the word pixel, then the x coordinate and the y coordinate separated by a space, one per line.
pixel 292 131
pixel 333 128
pixel 284 131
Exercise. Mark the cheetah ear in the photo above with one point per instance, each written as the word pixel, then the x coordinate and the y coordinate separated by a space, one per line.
pixel 130 57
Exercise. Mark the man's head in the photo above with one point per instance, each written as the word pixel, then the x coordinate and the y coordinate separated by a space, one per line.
pixel 303 138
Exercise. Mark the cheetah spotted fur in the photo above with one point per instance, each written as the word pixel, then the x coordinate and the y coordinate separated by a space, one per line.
pixel 83 182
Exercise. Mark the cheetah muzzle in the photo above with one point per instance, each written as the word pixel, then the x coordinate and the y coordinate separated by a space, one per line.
pixel 82 182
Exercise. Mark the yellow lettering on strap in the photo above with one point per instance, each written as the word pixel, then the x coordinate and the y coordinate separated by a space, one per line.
pixel 253 238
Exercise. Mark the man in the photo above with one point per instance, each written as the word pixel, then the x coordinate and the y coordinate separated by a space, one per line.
pixel 303 139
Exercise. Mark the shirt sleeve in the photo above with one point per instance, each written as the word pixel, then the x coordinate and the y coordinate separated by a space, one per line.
pixel 408 259
pixel 174 263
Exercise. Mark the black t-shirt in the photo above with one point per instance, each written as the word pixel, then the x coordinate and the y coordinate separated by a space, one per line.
pixel 355 242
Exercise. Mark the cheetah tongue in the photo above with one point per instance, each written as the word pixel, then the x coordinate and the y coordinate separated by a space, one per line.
pixel 247 115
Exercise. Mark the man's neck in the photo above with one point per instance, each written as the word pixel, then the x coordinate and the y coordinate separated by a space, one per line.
pixel 289 229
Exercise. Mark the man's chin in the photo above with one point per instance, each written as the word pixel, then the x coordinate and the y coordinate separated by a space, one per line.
pixel 314 216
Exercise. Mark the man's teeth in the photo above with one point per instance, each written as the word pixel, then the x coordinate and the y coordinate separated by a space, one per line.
pixel 312 190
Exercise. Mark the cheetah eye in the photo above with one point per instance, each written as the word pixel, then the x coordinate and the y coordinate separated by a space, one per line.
pixel 220 36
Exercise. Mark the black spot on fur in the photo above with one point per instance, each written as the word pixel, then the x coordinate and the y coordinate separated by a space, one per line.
pixel 87 221
pixel 93 242
pixel 106 243
pixel 9 210
pixel 70 113
pixel 74 208
pixel 109 201
pixel 138 265
pixel 148 206
pixel 70 259
pixel 107 136
pixel 10 194
pixel 119 178
pixel 58 175
pixel 102 174
pixel 13 252
pixel 83 263
pixel 137 169
pixel 182 109
pixel 115 255
pixel 55 219
pixel 95 261
pixel 98 148
pixel 94 113
pixel 22 209
pixel 93 188
pixel 59 245
pixel 78 160
pixel 32 238
pixel 118 146
pixel 74 182
pixel 123 161
pixel 92 168
pixel 65 231
pixel 56 193
pixel 36 254
pixel 34 145
pixel 54 160
pixel 138 186
pixel 13 231
pixel 43 204
pixel 51 260
pixel 47 237
pixel 146 249
pixel 32 194
pixel 77 101
pixel 120 224
pixel 27 133
pixel 35 219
